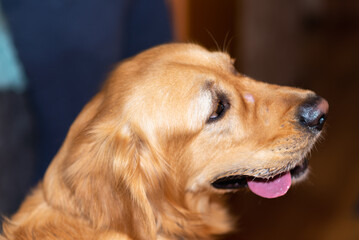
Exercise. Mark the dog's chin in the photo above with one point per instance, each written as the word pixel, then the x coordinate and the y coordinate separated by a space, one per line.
pixel 300 172
pixel 277 185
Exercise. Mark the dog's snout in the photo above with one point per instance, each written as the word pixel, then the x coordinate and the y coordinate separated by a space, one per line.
pixel 313 113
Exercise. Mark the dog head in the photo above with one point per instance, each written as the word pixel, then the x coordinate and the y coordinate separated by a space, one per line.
pixel 174 121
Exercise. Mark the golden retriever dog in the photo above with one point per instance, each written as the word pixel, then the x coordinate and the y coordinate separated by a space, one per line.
pixel 171 131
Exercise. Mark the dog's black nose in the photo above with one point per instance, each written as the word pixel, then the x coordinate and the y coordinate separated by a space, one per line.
pixel 312 113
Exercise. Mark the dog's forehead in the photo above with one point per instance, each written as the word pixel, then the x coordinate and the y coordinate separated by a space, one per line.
pixel 199 63
pixel 216 68
pixel 201 56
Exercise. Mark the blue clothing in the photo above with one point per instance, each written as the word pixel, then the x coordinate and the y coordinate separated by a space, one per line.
pixel 12 76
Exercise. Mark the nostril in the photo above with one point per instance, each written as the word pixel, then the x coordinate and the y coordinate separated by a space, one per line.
pixel 313 113
pixel 321 121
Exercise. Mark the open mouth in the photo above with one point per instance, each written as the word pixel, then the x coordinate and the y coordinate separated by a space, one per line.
pixel 268 188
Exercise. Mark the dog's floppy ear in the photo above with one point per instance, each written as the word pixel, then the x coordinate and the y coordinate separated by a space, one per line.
pixel 98 173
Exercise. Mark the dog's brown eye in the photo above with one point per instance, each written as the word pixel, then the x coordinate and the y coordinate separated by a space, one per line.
pixel 222 105
pixel 218 113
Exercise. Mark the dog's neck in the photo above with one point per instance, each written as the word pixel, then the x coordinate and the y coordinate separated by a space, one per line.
pixel 183 216
pixel 202 217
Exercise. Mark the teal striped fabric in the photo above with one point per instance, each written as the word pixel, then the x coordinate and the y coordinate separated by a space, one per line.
pixel 12 75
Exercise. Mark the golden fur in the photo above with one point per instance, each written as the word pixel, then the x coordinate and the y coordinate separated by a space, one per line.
pixel 139 160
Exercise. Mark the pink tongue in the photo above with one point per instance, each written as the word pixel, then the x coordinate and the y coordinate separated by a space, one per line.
pixel 270 188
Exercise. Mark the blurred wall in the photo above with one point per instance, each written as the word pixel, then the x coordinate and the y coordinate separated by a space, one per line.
pixel 311 44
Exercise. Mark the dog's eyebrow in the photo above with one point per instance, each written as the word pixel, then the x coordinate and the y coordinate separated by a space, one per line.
pixel 216 93
pixel 208 85
pixel 223 97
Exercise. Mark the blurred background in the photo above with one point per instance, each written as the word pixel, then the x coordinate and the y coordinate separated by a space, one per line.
pixel 50 50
